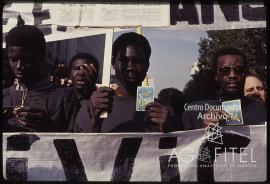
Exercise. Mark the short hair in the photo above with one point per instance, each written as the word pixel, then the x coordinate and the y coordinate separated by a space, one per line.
pixel 27 36
pixel 90 59
pixel 130 38
pixel 227 51
pixel 259 77
pixel 173 97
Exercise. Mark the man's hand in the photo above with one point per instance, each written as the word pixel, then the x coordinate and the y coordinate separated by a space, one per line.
pixel 90 71
pixel 214 117
pixel 29 116
pixel 158 113
pixel 102 100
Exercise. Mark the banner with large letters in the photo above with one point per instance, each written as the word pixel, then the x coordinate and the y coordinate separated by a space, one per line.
pixel 70 20
pixel 231 153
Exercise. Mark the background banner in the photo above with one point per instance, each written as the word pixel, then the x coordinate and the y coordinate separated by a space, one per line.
pixel 61 20
pixel 216 154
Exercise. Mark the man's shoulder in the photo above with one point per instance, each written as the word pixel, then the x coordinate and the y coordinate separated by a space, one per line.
pixel 60 95
pixel 65 91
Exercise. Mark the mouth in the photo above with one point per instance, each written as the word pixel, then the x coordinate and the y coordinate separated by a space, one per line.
pixel 131 78
pixel 256 98
pixel 232 84
pixel 19 74
pixel 80 81
pixel 131 75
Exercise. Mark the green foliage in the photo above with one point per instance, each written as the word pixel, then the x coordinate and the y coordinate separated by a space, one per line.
pixel 251 41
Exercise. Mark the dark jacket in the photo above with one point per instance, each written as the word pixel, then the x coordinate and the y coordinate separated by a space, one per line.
pixel 40 95
pixel 72 104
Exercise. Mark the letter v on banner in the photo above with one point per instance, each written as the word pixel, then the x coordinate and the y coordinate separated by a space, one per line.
pixel 124 161
pixel 106 74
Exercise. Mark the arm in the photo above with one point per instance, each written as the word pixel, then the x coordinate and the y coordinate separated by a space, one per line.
pixel 88 118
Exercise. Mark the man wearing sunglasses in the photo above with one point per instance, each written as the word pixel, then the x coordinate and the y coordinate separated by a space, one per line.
pixel 230 67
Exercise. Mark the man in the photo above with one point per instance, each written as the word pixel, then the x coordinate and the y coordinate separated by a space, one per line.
pixel 130 59
pixel 83 68
pixel 230 66
pixel 254 88
pixel 30 104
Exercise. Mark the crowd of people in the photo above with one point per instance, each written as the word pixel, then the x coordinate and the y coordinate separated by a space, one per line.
pixel 38 101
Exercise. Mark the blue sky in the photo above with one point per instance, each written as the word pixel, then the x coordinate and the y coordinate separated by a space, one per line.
pixel 173 53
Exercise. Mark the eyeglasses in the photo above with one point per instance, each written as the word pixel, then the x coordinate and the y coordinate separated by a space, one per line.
pixel 238 70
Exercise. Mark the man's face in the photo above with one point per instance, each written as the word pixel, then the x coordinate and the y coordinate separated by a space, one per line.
pixel 24 64
pixel 82 77
pixel 131 66
pixel 254 88
pixel 231 74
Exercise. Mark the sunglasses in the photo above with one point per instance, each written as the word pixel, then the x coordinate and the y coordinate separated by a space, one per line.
pixel 238 70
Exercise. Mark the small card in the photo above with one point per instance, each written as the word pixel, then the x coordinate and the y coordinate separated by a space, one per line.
pixel 145 95
pixel 233 108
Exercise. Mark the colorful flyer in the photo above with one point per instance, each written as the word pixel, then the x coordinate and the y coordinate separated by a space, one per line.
pixel 145 95
pixel 233 108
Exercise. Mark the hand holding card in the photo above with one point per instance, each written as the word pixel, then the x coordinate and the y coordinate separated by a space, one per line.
pixel 145 95
pixel 233 108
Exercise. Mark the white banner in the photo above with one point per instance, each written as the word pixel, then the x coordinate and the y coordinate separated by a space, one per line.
pixel 217 15
pixel 213 154
pixel 54 19
pixel 57 18
pixel 93 14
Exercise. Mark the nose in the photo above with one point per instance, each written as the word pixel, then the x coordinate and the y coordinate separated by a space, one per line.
pixel 80 71
pixel 232 74
pixel 255 92
pixel 130 64
pixel 19 64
